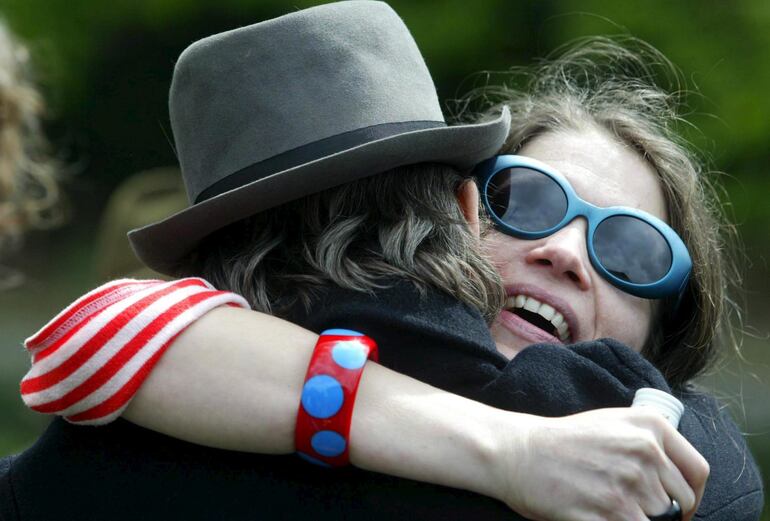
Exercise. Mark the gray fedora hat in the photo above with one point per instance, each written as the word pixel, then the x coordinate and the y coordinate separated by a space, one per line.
pixel 285 108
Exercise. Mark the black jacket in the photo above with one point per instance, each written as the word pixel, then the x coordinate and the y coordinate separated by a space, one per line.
pixel 122 471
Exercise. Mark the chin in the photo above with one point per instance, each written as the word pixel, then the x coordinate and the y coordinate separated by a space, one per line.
pixel 508 344
pixel 508 351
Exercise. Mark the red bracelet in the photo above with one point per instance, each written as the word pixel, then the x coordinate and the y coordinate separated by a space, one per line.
pixel 328 395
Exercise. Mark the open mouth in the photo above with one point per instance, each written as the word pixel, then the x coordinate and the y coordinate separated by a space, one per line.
pixel 540 315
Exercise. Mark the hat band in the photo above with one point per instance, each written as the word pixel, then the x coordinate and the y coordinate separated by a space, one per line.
pixel 311 152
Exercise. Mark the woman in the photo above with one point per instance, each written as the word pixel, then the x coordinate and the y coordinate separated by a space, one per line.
pixel 623 125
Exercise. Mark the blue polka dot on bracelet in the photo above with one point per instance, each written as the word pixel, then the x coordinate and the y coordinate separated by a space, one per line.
pixel 349 354
pixel 341 332
pixel 328 443
pixel 322 396
pixel 313 460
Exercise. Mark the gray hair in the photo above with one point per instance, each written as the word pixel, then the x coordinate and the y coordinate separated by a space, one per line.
pixel 404 223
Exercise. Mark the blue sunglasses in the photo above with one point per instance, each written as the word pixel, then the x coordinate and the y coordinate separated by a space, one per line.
pixel 635 251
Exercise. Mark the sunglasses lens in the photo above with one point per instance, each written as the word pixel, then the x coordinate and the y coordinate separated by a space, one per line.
pixel 632 250
pixel 526 199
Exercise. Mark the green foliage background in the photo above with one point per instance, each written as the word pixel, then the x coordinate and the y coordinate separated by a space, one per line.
pixel 105 68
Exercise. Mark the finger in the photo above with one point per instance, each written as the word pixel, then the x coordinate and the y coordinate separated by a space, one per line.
pixel 672 513
pixel 671 448
pixel 687 517
pixel 691 465
pixel 676 486
pixel 654 499
pixel 637 514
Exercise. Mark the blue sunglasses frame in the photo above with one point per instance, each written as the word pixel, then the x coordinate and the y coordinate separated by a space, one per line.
pixel 673 283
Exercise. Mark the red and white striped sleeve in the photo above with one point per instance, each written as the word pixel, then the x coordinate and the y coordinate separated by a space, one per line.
pixel 89 361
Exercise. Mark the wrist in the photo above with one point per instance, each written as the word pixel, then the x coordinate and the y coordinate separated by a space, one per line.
pixel 329 394
pixel 495 433
pixel 429 435
pixel 513 434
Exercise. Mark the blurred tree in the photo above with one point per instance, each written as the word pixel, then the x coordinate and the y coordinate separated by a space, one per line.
pixel 110 66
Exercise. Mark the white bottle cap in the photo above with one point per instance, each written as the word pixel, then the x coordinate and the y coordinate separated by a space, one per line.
pixel 661 401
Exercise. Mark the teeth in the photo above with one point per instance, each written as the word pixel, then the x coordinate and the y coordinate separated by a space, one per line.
pixel 547 311
pixel 542 309
pixel 557 320
pixel 562 329
pixel 531 305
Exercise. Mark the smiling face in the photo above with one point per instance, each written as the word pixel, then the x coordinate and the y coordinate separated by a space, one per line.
pixel 553 276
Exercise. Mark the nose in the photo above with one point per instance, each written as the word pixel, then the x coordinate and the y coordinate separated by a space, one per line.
pixel 565 253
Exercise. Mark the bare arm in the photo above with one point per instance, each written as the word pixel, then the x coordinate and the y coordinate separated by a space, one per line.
pixel 233 380
pixel 237 387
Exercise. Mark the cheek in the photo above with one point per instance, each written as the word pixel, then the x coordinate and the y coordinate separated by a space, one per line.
pixel 502 250
pixel 625 318
pixel 490 245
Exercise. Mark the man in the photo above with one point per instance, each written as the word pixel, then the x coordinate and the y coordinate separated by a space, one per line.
pixel 265 119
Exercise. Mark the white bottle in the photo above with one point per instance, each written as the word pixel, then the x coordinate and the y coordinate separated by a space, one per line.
pixel 661 401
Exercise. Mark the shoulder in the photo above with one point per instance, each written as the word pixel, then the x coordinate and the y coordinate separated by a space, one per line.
pixel 399 307
pixel 7 499
pixel 734 489
pixel 711 415
pixel 423 333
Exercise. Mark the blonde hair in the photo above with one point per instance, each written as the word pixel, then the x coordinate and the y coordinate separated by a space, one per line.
pixel 613 84
pixel 28 190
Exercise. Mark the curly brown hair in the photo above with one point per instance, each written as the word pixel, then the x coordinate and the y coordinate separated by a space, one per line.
pixel 402 223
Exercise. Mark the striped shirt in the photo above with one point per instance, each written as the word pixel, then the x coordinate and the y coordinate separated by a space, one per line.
pixel 89 361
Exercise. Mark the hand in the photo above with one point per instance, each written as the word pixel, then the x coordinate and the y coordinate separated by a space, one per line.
pixel 612 464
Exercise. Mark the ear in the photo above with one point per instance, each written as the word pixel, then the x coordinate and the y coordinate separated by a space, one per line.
pixel 468 199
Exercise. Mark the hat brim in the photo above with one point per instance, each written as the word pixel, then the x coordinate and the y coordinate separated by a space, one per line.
pixel 165 245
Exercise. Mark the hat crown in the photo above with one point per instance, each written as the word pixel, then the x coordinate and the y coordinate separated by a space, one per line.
pixel 245 96
pixel 282 109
